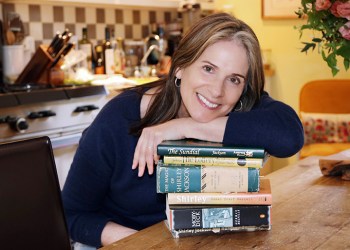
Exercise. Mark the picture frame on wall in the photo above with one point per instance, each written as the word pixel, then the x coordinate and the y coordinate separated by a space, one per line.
pixel 279 9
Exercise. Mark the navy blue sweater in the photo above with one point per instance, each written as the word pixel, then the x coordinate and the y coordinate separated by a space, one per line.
pixel 102 187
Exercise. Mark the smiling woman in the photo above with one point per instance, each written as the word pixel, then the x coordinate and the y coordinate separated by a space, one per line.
pixel 214 92
pixel 214 83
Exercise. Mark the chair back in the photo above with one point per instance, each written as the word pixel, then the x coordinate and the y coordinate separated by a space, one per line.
pixel 325 96
pixel 31 211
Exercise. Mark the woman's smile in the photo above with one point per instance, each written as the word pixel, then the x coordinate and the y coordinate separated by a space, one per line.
pixel 206 103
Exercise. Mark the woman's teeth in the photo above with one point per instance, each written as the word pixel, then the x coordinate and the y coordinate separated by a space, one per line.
pixel 206 102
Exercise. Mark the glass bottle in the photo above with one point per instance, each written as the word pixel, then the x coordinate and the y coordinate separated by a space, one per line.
pixel 99 63
pixel 119 56
pixel 86 46
pixel 108 53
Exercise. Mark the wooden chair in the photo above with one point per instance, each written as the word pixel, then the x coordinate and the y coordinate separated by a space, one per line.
pixel 330 98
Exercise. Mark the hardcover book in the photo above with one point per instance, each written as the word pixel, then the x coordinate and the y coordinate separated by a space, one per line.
pixel 215 161
pixel 179 233
pixel 263 197
pixel 191 147
pixel 188 217
pixel 203 179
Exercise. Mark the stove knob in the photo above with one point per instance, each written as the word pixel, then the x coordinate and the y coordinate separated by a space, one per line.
pixel 19 124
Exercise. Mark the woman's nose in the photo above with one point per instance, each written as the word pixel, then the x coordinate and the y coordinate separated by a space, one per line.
pixel 217 88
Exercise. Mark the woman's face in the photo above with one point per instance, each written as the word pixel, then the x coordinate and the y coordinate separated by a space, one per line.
pixel 213 84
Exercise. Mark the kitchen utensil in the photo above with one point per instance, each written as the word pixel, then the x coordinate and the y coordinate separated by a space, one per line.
pixel 10 37
pixel 12 57
pixel 15 25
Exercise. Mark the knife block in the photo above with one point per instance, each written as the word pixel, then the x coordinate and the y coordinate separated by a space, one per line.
pixel 37 69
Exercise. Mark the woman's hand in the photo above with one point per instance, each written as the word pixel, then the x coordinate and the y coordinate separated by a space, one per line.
pixel 146 149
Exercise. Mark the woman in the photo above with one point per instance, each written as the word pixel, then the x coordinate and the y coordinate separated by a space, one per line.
pixel 214 91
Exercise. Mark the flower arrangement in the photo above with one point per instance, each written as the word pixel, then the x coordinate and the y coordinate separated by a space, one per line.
pixel 330 21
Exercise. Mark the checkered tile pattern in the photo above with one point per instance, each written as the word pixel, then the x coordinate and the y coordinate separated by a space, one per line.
pixel 42 21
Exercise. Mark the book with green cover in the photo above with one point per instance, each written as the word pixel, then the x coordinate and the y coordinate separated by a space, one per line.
pixel 192 147
pixel 263 197
pixel 202 179
pixel 215 161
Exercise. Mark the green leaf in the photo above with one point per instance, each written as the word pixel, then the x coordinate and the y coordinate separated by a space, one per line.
pixel 317 40
pixel 335 71
pixel 346 63
pixel 332 63
pixel 308 46
pixel 344 51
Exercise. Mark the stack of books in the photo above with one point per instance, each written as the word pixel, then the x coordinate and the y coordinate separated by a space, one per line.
pixel 212 188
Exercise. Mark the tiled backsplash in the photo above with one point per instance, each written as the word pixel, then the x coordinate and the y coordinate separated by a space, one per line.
pixel 41 21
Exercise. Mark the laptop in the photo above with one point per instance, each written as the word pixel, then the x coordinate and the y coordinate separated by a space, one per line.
pixel 31 211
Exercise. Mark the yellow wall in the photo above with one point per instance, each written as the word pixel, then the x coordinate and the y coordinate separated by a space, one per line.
pixel 292 68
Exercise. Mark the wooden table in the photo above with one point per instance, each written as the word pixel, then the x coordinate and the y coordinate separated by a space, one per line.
pixel 309 211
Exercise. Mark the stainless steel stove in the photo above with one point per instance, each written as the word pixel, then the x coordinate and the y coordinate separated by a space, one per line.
pixel 61 113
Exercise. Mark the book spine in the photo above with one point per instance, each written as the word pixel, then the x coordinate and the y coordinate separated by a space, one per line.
pixel 216 231
pixel 177 150
pixel 214 161
pixel 196 179
pixel 218 217
pixel 219 199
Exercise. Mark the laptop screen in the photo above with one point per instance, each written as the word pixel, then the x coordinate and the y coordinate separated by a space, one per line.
pixel 31 211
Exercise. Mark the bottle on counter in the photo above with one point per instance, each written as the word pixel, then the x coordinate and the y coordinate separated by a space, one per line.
pixel 119 56
pixel 162 41
pixel 99 60
pixel 108 53
pixel 85 45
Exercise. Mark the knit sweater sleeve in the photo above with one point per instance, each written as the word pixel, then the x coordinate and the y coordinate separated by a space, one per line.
pixel 271 124
pixel 90 175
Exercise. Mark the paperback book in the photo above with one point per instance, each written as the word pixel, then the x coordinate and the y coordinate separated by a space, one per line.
pixel 202 179
pixel 215 161
pixel 179 233
pixel 191 147
pixel 263 197
pixel 188 217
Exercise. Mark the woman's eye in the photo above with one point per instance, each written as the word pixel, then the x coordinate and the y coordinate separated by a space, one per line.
pixel 208 68
pixel 235 80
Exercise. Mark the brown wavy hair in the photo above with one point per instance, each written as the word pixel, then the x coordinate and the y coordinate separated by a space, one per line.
pixel 205 32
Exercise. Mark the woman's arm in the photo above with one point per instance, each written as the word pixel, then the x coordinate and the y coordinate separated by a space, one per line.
pixel 113 232
pixel 271 124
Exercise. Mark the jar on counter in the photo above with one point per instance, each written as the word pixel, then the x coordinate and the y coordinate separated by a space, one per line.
pixel 134 50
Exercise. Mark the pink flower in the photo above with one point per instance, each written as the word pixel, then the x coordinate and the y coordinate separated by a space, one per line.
pixel 343 10
pixel 323 4
pixel 334 8
pixel 345 31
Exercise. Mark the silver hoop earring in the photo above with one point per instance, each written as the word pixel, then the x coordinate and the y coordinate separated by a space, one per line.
pixel 240 106
pixel 177 82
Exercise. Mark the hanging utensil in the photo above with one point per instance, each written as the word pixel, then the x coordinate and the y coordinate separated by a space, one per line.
pixel 10 37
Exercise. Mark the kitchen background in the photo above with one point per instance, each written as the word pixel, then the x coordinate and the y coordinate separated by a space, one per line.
pixel 291 68
pixel 42 20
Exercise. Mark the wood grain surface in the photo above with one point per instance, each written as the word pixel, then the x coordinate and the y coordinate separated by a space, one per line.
pixel 309 211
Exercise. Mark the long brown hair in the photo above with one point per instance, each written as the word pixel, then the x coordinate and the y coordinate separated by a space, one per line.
pixel 207 31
